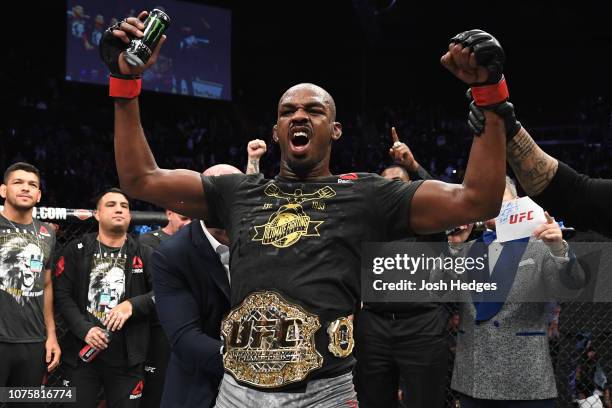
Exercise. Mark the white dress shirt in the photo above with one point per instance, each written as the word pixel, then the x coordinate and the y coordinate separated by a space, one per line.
pixel 221 250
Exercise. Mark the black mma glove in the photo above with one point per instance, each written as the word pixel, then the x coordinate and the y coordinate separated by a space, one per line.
pixel 489 54
pixel 487 50
pixel 492 94
pixel 121 85
pixel 476 118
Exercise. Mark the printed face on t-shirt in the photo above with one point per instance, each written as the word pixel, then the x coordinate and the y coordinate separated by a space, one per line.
pixel 22 266
pixel 113 283
pixel 30 265
pixel 25 254
pixel 106 285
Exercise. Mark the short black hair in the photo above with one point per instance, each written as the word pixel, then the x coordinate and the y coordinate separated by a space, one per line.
pixel 117 190
pixel 20 166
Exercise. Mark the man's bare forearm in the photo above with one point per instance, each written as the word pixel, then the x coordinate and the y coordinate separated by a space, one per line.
pixel 179 190
pixel 483 184
pixel 437 206
pixel 532 166
pixel 48 313
pixel 133 156
pixel 252 166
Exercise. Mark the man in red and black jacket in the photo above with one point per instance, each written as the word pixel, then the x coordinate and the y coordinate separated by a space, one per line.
pixel 104 293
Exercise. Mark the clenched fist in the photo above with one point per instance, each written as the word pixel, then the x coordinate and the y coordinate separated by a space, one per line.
pixel 475 57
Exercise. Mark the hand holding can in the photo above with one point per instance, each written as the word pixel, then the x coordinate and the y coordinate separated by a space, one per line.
pixel 141 49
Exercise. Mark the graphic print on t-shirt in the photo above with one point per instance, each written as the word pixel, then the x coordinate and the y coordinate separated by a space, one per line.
pixel 106 283
pixel 22 264
pixel 290 222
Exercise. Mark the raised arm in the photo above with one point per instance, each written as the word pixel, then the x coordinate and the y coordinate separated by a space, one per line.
pixel 533 168
pixel 139 176
pixel 179 190
pixel 476 58
pixel 575 198
pixel 562 275
pixel 402 155
pixel 255 149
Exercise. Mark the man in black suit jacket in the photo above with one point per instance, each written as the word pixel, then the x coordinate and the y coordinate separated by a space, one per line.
pixel 192 294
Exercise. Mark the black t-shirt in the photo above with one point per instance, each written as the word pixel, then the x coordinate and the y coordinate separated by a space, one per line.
pixel 153 238
pixel 25 255
pixel 107 290
pixel 303 239
pixel 578 200
pixel 419 318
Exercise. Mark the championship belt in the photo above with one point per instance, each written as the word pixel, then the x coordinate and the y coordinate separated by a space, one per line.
pixel 341 341
pixel 270 342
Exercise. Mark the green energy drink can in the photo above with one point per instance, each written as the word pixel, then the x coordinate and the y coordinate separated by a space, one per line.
pixel 140 49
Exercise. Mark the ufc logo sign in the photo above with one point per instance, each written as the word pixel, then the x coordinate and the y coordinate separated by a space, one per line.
pixel 520 217
pixel 274 332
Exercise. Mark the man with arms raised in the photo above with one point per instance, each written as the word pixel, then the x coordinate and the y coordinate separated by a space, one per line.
pixel 184 388
pixel 296 239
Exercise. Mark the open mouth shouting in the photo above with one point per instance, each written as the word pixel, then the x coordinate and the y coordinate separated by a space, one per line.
pixel 299 139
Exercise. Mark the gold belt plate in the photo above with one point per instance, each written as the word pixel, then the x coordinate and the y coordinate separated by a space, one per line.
pixel 270 342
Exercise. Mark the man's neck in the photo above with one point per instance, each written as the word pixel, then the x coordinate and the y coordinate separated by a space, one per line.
pixel 168 230
pixel 17 216
pixel 111 239
pixel 321 170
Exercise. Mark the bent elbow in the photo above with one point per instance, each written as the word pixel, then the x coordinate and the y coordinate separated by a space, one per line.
pixel 134 187
pixel 491 210
pixel 482 210
pixel 129 186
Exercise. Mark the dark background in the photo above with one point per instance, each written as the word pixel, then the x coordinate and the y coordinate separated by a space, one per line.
pixel 380 63
pixel 178 61
pixel 556 53
pixel 382 66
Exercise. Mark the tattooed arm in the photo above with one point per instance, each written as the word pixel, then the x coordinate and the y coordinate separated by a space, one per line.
pixel 255 149
pixel 252 166
pixel 533 168
pixel 576 199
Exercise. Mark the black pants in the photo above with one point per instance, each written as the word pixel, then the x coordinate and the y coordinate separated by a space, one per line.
pixel 387 348
pixel 155 369
pixel 469 402
pixel 122 385
pixel 22 365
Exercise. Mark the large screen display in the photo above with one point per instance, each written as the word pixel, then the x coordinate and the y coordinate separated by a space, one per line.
pixel 195 59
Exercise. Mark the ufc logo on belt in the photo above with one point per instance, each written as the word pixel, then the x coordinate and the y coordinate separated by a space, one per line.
pixel 277 333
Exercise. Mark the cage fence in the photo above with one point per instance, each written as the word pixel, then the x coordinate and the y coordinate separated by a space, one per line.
pixel 579 333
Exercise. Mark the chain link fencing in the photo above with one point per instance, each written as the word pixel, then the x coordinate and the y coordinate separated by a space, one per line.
pixel 71 224
pixel 580 334
pixel 580 340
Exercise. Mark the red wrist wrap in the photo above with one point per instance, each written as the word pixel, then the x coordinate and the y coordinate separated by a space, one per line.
pixel 124 88
pixel 488 95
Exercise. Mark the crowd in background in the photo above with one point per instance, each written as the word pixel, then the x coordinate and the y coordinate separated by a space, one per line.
pixel 73 146
pixel 73 149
